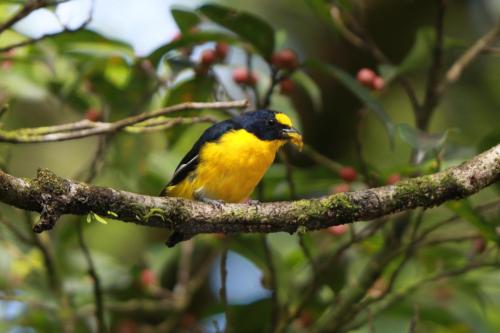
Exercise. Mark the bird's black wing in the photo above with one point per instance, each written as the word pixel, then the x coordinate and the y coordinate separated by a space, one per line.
pixel 191 160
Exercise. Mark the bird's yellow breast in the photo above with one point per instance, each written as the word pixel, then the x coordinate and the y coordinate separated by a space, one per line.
pixel 230 168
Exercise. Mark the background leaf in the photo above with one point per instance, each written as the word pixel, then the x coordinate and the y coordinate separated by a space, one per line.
pixel 249 27
pixel 359 91
pixel 185 19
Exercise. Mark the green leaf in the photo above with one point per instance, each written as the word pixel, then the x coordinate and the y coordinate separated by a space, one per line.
pixel 198 88
pixel 322 10
pixel 359 91
pixel 312 89
pixel 87 42
pixel 185 19
pixel 99 218
pixel 249 27
pixel 420 53
pixel 423 141
pixel 251 248
pixel 112 213
pixel 240 321
pixel 489 140
pixel 101 50
pixel 464 209
pixel 335 276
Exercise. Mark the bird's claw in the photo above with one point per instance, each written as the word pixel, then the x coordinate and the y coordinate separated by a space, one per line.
pixel 214 203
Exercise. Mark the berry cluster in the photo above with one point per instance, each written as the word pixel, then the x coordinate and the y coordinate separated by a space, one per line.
pixel 284 60
pixel 211 56
pixel 370 79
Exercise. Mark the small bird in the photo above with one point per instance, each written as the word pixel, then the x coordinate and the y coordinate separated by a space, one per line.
pixel 231 157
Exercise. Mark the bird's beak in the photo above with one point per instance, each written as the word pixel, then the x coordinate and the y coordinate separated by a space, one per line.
pixel 294 136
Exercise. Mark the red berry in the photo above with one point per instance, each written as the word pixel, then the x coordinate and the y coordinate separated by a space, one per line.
pixel 208 57
pixel 348 174
pixel 127 326
pixel 365 76
pixel 286 86
pixel 147 66
pixel 479 245
pixel 306 319
pixel 6 65
pixel 220 236
pixel 337 230
pixel 187 321
pixel 148 278
pixel 93 114
pixel 393 179
pixel 243 76
pixel 341 188
pixel 378 83
pixel 285 59
pixel 221 50
pixel 177 36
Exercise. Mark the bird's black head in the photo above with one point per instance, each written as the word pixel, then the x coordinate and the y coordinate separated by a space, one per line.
pixel 270 125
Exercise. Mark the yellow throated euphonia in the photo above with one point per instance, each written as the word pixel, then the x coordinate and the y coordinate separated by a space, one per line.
pixel 231 157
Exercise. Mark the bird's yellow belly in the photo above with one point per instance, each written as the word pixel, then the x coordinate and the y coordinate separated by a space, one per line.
pixel 229 169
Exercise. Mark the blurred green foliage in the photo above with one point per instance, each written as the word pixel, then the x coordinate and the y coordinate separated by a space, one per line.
pixel 60 79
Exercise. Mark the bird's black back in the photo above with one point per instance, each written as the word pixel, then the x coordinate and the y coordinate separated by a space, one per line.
pixel 191 160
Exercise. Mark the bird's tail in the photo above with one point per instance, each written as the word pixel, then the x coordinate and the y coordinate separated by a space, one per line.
pixel 166 191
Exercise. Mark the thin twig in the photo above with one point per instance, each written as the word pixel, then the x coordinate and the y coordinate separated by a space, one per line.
pixel 289 175
pixel 95 165
pixel 321 159
pixel 184 271
pixel 223 286
pixel 48 258
pixel 398 296
pixel 455 71
pixel 99 309
pixel 432 92
pixel 16 231
pixel 273 284
pixel 85 128
pixel 27 9
pixel 414 319
pixel 65 30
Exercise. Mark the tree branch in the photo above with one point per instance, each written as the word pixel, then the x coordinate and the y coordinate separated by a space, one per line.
pixel 28 9
pixel 69 197
pixel 482 44
pixel 144 122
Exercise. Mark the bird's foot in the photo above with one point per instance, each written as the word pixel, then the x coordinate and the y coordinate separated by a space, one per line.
pixel 252 202
pixel 212 202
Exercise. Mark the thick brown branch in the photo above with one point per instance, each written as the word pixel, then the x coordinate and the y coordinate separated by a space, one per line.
pixel 70 197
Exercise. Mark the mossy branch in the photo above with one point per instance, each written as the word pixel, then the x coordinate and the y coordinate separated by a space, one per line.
pixel 48 192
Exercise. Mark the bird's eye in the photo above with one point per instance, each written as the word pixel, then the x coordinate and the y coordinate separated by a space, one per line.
pixel 271 122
